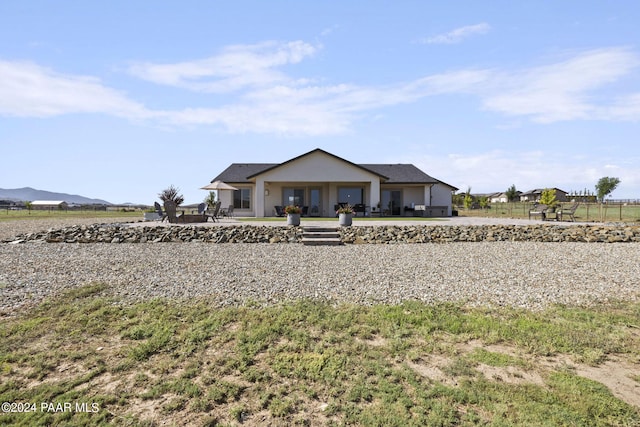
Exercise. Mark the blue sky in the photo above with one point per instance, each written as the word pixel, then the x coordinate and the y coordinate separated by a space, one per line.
pixel 118 100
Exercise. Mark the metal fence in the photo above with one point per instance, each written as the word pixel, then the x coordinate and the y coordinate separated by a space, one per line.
pixel 612 210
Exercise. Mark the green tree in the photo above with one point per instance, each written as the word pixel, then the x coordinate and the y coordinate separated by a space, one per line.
pixel 548 197
pixel 605 186
pixel 483 202
pixel 210 200
pixel 511 193
pixel 468 200
pixel 457 199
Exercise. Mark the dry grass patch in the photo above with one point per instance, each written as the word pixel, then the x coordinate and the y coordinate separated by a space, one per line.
pixel 310 363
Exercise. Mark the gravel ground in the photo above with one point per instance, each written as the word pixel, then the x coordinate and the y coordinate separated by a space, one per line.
pixel 520 274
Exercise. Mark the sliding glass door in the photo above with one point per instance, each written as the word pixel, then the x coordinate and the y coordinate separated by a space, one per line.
pixel 391 202
pixel 293 196
pixel 315 205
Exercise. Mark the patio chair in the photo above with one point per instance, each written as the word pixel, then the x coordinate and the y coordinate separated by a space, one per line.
pixel 215 212
pixel 163 215
pixel 278 210
pixel 570 212
pixel 170 209
pixel 540 210
pixel 202 214
pixel 228 212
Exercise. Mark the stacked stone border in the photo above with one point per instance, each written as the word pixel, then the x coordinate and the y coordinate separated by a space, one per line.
pixel 391 234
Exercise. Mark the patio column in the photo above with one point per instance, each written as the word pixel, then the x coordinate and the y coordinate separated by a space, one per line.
pixel 333 197
pixel 259 198
pixel 427 195
pixel 374 193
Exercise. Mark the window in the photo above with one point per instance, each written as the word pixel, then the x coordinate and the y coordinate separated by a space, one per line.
pixel 352 195
pixel 242 198
pixel 293 196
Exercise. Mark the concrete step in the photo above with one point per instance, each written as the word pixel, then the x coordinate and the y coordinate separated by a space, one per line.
pixel 321 242
pixel 321 236
pixel 312 228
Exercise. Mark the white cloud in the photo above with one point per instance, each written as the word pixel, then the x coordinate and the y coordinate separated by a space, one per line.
pixel 285 119
pixel 562 91
pixel 236 68
pixel 458 35
pixel 262 98
pixel 626 108
pixel 29 90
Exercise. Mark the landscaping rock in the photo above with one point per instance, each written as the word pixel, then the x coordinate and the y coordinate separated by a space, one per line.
pixel 392 234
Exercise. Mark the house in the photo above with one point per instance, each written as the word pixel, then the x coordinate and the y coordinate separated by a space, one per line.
pixel 498 198
pixel 11 204
pixel 319 182
pixel 534 195
pixel 502 197
pixel 49 204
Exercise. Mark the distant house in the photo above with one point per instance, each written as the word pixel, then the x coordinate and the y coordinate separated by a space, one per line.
pixel 49 204
pixel 8 204
pixel 502 197
pixel 498 198
pixel 319 182
pixel 534 195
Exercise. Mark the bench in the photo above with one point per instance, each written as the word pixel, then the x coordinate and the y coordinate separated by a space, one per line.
pixel 539 210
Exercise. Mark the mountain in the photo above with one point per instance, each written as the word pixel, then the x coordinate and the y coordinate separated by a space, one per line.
pixel 29 194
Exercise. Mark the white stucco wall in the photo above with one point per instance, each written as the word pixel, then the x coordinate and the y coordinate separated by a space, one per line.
pixel 413 195
pixel 441 196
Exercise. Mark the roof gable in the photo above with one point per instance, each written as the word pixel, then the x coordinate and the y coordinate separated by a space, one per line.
pixel 314 152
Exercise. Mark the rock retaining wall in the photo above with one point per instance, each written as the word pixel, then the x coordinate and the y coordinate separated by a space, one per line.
pixel 109 233
pixel 118 233
pixel 490 233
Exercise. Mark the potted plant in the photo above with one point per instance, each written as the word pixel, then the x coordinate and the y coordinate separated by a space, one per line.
pixel 345 215
pixel 293 214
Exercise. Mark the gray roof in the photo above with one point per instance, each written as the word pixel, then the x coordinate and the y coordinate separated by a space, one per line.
pixel 390 173
pixel 401 173
pixel 539 191
pixel 238 172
